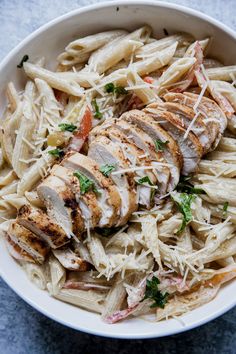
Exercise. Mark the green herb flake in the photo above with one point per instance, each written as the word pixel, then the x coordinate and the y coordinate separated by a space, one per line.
pixel 107 169
pixel 145 179
pixel 23 60
pixel 56 153
pixel 119 90
pixel 225 208
pixel 153 293
pixel 183 202
pixel 184 186
pixel 98 114
pixel 110 87
pixel 67 127
pixel 86 184
pixel 160 145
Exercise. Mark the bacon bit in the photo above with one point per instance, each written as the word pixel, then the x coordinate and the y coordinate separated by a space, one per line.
pixel 61 97
pixel 148 79
pixel 81 135
pixel 134 102
pixel 119 315
pixel 190 76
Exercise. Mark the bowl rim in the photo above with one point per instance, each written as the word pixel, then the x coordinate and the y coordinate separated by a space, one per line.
pixel 16 49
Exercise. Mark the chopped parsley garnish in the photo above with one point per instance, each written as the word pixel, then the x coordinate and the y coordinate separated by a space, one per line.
pixel 24 59
pixel 145 179
pixel 86 184
pixel 225 208
pixel 153 293
pixel 183 202
pixel 119 90
pixel 98 114
pixel 184 186
pixel 67 127
pixel 56 153
pixel 160 145
pixel 107 170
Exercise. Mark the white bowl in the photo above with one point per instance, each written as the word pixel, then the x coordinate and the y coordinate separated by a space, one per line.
pixel 49 41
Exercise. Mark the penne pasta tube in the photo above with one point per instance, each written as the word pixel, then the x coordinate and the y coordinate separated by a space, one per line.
pixel 22 150
pixel 224 73
pixel 155 62
pixel 145 93
pixel 79 50
pixel 227 90
pixel 35 71
pixel 118 49
pixel 36 274
pixel 220 169
pixel 57 276
pixel 9 189
pixel 160 44
pixel 34 173
pixel 90 300
pixel 97 253
pixel 114 298
pixel 7 176
pixel 12 96
pixel 174 72
pixel 84 79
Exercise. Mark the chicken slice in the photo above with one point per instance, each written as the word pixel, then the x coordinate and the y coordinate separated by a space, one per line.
pixel 212 111
pixel 107 194
pixel 137 157
pixel 212 125
pixel 106 152
pixel 171 151
pixel 28 241
pixel 70 260
pixel 88 204
pixel 17 252
pixel 192 119
pixel 39 223
pixel 61 204
pixel 190 147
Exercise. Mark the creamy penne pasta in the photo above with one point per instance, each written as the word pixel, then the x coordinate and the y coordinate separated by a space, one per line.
pixel 117 174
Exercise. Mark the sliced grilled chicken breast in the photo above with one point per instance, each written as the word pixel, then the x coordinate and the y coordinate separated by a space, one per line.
pixel 104 152
pixel 39 223
pixel 190 118
pixel 212 111
pixel 88 204
pixel 171 152
pixel 190 147
pixel 17 252
pixel 61 204
pixel 28 241
pixel 144 142
pixel 137 158
pixel 70 260
pixel 107 196
pixel 213 125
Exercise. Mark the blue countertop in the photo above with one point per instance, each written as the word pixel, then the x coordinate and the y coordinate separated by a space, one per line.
pixel 22 329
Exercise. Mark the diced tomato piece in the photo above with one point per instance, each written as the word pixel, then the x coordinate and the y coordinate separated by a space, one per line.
pixel 81 135
pixel 148 79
